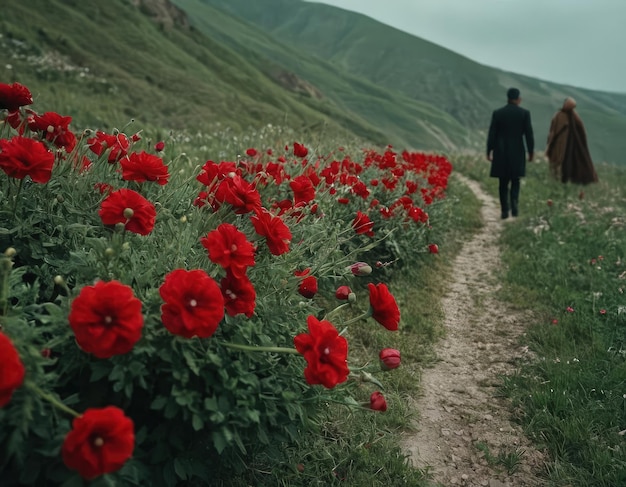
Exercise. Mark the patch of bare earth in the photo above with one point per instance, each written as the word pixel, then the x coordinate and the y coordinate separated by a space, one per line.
pixel 464 435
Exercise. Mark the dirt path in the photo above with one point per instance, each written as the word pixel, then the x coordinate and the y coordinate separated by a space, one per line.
pixel 464 434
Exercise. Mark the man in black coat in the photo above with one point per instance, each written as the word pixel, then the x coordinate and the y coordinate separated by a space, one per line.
pixel 510 126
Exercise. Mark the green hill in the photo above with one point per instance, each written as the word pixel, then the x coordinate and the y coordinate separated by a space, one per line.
pixel 408 121
pixel 425 72
pixel 108 63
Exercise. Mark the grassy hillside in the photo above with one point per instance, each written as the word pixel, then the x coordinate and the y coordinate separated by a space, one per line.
pixel 425 72
pixel 411 122
pixel 109 65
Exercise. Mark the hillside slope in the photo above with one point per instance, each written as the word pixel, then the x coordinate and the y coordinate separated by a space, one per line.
pixel 425 72
pixel 415 123
pixel 142 60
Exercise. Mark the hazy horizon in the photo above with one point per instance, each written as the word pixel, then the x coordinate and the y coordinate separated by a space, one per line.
pixel 571 42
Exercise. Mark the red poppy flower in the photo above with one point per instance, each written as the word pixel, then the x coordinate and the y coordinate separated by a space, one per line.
pixel 14 96
pixel 362 224
pixel 360 189
pixel 11 370
pixel 417 214
pixel 229 248
pixel 299 150
pixel 389 358
pixel 106 319
pixel 303 190
pixel 21 157
pixel 276 171
pixel 378 402
pixel 277 234
pixel 239 193
pixel 251 152
pixel 384 307
pixel 159 146
pixel 239 295
pixel 143 167
pixel 128 207
pixel 433 248
pixel 213 172
pixel 194 305
pixel 326 353
pixel 117 143
pixel 100 442
pixel 55 129
pixel 308 287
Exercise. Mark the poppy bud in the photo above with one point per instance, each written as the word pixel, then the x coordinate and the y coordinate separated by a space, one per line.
pixel 159 146
pixel 360 269
pixel 433 248
pixel 389 358
pixel 378 402
pixel 343 292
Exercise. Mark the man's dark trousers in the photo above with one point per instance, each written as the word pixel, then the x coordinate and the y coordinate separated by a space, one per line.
pixel 509 199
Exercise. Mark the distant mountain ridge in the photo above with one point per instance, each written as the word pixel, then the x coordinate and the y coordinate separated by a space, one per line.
pixel 425 72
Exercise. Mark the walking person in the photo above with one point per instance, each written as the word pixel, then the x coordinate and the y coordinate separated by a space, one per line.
pixel 510 127
pixel 567 148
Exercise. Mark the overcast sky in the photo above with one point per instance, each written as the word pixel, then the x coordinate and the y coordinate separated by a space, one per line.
pixel 576 42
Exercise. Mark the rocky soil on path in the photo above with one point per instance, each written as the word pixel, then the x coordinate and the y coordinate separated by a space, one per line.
pixel 464 435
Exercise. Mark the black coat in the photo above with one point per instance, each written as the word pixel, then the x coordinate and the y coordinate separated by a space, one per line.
pixel 510 125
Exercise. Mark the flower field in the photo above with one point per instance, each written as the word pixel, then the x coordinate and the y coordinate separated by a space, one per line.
pixel 161 319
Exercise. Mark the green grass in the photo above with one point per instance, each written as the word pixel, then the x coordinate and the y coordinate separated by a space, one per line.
pixel 566 262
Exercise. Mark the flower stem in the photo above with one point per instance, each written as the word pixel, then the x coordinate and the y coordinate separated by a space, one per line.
pixel 51 399
pixel 5 271
pixel 17 199
pixel 333 311
pixel 252 348
pixel 364 316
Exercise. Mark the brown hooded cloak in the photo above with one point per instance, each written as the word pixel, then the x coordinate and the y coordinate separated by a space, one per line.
pixel 567 148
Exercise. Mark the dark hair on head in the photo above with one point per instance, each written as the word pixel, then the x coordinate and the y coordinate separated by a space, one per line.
pixel 512 94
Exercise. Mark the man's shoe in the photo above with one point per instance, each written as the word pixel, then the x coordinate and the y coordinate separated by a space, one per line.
pixel 504 215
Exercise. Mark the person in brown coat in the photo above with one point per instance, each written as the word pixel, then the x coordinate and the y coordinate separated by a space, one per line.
pixel 567 148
